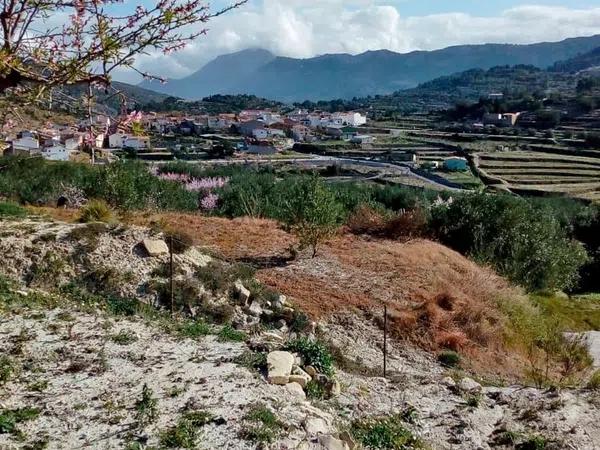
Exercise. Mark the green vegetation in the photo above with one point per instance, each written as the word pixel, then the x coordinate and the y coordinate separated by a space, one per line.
pixel 230 334
pixel 385 433
pixel 575 314
pixel 449 358
pixel 594 382
pixel 11 418
pixel 11 210
pixel 262 425
pixel 96 211
pixel 146 408
pixel 531 241
pixel 8 369
pixel 194 329
pixel 315 390
pixel 124 337
pixel 554 359
pixel 186 433
pixel 314 353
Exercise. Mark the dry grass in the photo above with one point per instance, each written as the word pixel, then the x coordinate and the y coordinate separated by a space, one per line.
pixel 436 297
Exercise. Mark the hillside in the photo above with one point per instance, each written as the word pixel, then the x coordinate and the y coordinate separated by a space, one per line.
pixel 100 371
pixel 586 61
pixel 347 76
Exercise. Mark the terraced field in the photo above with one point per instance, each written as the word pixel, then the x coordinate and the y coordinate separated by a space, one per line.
pixel 539 173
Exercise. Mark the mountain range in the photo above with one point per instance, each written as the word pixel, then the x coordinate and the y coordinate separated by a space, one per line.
pixel 259 72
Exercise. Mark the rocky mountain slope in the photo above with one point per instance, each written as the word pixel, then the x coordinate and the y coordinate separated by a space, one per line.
pixel 81 370
pixel 345 76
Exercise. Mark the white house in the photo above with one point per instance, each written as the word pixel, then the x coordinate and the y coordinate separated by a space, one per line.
pixel 56 152
pixel 353 119
pixel 116 140
pixel 73 143
pixel 26 144
pixel 137 142
pixel 260 133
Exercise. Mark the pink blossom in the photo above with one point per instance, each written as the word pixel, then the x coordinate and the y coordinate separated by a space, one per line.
pixel 206 184
pixel 170 176
pixel 209 202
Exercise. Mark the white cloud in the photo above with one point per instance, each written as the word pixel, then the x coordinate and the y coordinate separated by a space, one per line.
pixel 299 28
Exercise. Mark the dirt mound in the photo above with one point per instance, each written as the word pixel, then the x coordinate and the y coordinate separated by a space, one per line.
pixel 436 297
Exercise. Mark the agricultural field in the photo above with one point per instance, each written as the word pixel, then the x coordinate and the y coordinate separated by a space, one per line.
pixel 538 173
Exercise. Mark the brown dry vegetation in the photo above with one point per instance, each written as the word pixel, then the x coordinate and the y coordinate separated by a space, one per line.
pixel 436 297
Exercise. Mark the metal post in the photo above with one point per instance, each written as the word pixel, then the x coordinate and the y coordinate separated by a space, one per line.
pixel 171 275
pixel 384 341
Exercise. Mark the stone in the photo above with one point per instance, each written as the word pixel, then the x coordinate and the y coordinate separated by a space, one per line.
pixel 255 309
pixel 311 371
pixel 315 426
pixel 300 376
pixel 269 336
pixel 448 382
pixel 155 247
pixel 334 388
pixel 296 391
pixel 279 366
pixel 242 293
pixel 348 439
pixel 279 302
pixel 330 442
pixel 469 385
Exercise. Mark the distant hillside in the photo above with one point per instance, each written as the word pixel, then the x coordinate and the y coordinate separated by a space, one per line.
pixel 585 61
pixel 215 104
pixel 345 76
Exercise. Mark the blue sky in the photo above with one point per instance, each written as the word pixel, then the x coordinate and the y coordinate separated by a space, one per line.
pixel 305 28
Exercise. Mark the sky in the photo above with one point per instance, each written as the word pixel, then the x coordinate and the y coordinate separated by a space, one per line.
pixel 306 28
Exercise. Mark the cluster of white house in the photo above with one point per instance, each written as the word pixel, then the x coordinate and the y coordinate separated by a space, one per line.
pixel 62 142
pixel 267 131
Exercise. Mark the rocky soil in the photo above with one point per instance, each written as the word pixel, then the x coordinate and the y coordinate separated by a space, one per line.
pixel 83 370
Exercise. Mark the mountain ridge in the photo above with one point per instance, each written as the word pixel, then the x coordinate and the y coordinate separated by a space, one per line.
pixel 341 75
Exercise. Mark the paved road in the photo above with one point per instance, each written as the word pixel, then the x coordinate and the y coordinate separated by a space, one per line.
pixel 321 161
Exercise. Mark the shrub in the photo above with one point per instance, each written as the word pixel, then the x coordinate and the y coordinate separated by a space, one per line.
pixel 11 210
pixel 96 211
pixel 315 354
pixel 193 329
pixel 315 390
pixel 229 334
pixel 187 431
pixel 10 418
pixel 8 369
pixel 311 212
pixel 385 433
pixel 262 425
pixel 521 240
pixel 124 337
pixel 449 358
pixel 594 382
pixel 146 408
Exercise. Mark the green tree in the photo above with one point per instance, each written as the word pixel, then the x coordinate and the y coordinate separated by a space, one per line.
pixel 311 212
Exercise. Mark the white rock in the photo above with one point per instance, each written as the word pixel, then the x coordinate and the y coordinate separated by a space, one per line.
pixel 336 388
pixel 449 382
pixel 469 385
pixel 279 365
pixel 315 426
pixel 155 247
pixel 331 443
pixel 255 309
pixel 296 391
pixel 300 376
pixel 269 336
pixel 242 293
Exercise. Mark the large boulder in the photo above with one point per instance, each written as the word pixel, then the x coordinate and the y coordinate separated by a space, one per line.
pixel 469 385
pixel 330 442
pixel 155 247
pixel 296 391
pixel 279 366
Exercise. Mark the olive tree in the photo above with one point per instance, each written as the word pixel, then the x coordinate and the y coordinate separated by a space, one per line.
pixel 311 211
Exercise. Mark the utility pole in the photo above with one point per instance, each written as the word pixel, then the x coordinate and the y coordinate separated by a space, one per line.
pixel 171 275
pixel 384 341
